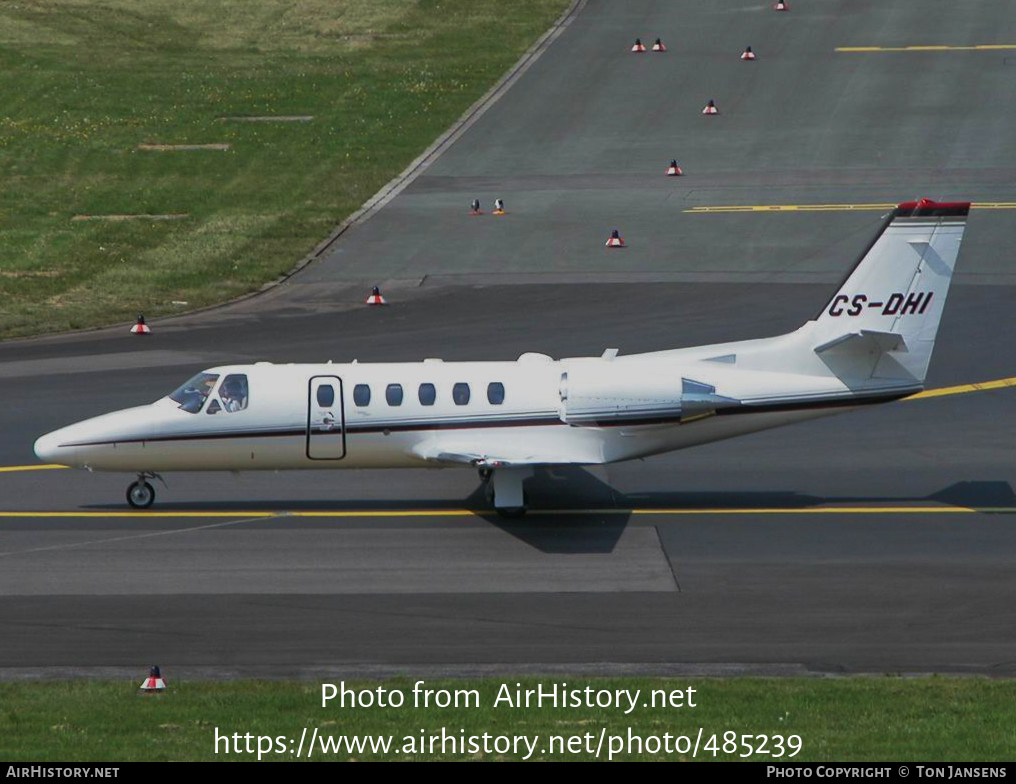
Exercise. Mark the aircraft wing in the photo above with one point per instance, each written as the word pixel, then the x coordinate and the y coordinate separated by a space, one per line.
pixel 482 461
pixel 465 454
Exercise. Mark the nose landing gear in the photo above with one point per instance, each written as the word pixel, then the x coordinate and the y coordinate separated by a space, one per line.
pixel 140 494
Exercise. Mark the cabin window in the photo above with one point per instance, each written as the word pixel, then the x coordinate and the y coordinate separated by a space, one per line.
pixel 361 395
pixel 460 394
pixel 393 394
pixel 193 394
pixel 233 392
pixel 213 407
pixel 428 394
pixel 326 396
pixel 495 393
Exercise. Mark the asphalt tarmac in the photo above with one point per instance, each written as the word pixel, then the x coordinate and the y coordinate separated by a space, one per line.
pixel 879 541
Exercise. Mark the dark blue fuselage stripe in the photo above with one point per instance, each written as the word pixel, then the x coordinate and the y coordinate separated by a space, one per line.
pixel 480 424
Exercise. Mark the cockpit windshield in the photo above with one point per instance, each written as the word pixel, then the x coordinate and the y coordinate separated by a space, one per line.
pixel 192 395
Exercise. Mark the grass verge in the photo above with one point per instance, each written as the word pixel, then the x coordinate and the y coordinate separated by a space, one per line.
pixel 105 109
pixel 837 719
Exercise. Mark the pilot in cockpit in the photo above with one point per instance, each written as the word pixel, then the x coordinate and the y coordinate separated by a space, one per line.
pixel 234 393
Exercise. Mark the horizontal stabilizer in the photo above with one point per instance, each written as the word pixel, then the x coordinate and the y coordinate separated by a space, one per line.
pixel 864 341
pixel 866 356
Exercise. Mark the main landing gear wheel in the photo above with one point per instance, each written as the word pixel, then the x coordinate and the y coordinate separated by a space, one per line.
pixel 503 490
pixel 140 494
pixel 505 511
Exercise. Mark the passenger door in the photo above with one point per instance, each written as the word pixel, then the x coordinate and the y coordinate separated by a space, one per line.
pixel 326 431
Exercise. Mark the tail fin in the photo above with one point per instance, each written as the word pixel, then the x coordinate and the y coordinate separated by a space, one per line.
pixel 881 323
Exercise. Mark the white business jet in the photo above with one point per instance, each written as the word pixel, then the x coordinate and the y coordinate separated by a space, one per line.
pixel 871 343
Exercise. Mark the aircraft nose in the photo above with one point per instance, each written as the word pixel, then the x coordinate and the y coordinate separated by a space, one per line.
pixel 47 448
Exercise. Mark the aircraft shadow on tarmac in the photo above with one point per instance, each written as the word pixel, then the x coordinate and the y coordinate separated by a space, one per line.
pixel 996 494
pixel 979 494
pixel 594 515
pixel 596 528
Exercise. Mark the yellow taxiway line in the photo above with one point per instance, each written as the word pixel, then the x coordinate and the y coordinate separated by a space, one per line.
pixel 963 389
pixel 932 48
pixel 395 513
pixel 41 467
pixel 872 207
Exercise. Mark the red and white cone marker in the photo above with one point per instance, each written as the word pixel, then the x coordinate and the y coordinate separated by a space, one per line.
pixel 474 208
pixel 710 108
pixel 499 208
pixel 615 240
pixel 781 6
pixel 674 170
pixel 154 682
pixel 658 46
pixel 375 297
pixel 141 328
pixel 638 46
pixel 748 54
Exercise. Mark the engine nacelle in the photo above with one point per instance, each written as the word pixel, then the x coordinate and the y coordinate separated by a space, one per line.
pixel 598 392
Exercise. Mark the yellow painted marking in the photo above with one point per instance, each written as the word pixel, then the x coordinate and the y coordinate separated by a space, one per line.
pixel 390 514
pixel 873 206
pixel 934 48
pixel 42 467
pixel 963 389
pixel 789 207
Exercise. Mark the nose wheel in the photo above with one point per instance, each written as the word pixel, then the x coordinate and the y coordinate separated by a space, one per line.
pixel 140 495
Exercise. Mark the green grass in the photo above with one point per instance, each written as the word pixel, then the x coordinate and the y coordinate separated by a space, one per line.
pixel 848 719
pixel 84 83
